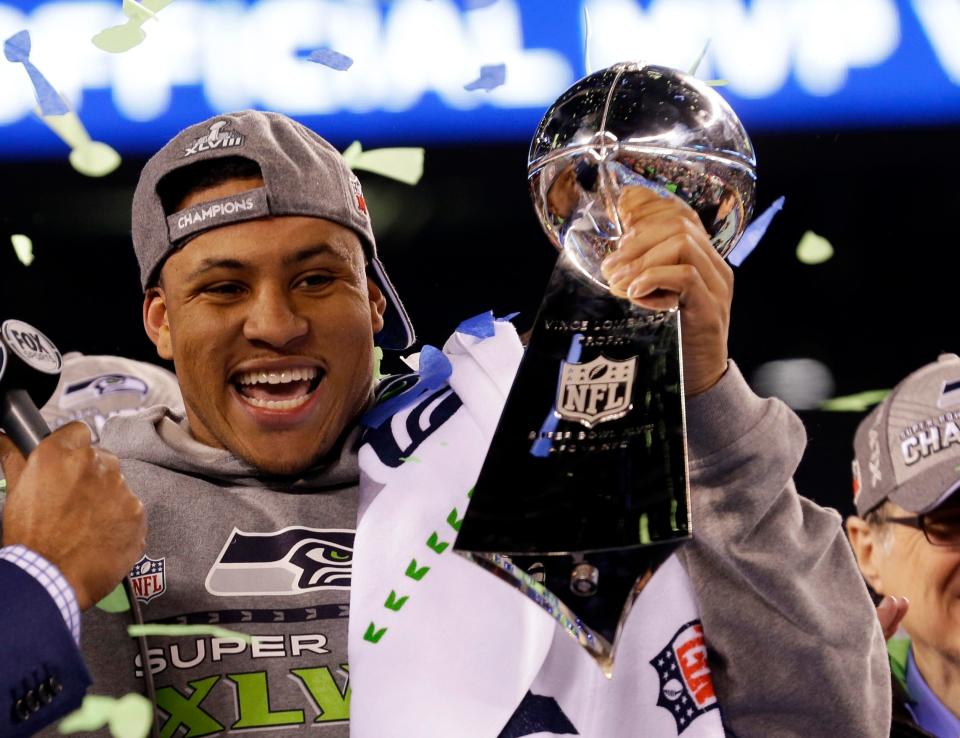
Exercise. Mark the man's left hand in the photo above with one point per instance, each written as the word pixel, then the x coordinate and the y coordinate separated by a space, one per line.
pixel 665 261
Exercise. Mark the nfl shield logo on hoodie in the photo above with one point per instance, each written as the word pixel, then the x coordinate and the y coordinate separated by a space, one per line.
pixel 686 689
pixel 148 578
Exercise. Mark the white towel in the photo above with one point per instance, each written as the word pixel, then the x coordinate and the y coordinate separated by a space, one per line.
pixel 458 656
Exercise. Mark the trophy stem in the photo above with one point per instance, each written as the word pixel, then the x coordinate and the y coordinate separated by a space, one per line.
pixel 640 568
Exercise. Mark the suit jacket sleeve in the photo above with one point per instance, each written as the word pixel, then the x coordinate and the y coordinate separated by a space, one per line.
pixel 795 645
pixel 42 675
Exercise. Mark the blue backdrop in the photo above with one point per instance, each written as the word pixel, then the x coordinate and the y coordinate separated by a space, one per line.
pixel 814 64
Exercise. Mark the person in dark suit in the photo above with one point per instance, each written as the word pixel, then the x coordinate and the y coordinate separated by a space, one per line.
pixel 71 530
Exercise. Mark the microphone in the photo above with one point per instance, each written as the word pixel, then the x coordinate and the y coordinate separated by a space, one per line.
pixel 30 368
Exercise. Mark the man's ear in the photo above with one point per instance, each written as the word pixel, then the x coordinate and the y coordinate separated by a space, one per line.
pixel 378 304
pixel 868 550
pixel 156 322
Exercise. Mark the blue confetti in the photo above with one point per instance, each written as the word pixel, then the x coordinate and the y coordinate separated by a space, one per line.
pixel 754 232
pixel 508 317
pixel 435 367
pixel 477 4
pixel 17 49
pixel 480 325
pixel 541 446
pixel 435 370
pixel 331 58
pixel 491 77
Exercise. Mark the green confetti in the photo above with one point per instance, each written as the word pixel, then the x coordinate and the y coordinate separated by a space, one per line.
pixel 131 718
pixel 696 64
pixel 854 403
pixel 24 248
pixel 644 529
pixel 411 459
pixel 352 153
pixel 814 249
pixel 155 629
pixel 94 159
pixel 121 38
pixel 90 158
pixel 93 713
pixel 116 601
pixel 378 376
pixel 717 83
pixel 128 717
pixel 404 164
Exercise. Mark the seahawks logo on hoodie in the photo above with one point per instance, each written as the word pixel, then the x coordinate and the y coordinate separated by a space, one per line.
pixel 91 389
pixel 290 561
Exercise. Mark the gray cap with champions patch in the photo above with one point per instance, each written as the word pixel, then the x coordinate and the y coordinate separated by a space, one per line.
pixel 302 175
pixel 907 450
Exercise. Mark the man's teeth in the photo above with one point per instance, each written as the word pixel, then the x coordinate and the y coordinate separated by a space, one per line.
pixel 289 388
pixel 283 376
pixel 277 404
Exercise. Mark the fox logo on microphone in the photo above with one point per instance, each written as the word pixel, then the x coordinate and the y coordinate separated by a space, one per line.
pixel 290 561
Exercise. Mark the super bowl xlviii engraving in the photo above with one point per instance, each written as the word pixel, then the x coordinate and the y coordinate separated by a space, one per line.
pixel 34 348
pixel 595 391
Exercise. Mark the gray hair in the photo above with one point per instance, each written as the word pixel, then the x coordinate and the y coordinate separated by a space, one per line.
pixel 882 529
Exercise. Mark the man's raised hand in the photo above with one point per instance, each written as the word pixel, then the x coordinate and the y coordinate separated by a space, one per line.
pixel 665 260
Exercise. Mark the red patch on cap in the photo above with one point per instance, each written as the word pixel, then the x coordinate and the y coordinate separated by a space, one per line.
pixel 358 195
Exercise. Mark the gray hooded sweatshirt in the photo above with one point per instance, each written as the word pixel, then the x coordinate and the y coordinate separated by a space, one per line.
pixel 228 547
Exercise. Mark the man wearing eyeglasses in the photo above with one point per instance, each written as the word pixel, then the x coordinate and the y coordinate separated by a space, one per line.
pixel 906 535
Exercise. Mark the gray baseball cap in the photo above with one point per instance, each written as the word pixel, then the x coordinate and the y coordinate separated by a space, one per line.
pixel 907 450
pixel 302 175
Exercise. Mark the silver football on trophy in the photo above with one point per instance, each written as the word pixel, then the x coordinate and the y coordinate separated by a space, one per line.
pixel 638 124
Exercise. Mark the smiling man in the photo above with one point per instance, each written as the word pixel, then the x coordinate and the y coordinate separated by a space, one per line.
pixel 906 535
pixel 234 303
pixel 262 284
pixel 280 507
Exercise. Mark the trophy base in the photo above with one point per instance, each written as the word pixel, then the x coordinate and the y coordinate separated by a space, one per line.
pixel 594 619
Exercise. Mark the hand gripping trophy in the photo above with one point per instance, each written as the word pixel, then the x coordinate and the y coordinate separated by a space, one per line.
pixel 584 491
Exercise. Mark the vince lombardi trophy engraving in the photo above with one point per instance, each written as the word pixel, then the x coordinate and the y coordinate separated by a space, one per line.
pixel 584 491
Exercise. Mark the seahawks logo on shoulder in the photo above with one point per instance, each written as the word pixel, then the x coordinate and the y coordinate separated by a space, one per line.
pixel 93 388
pixel 290 561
